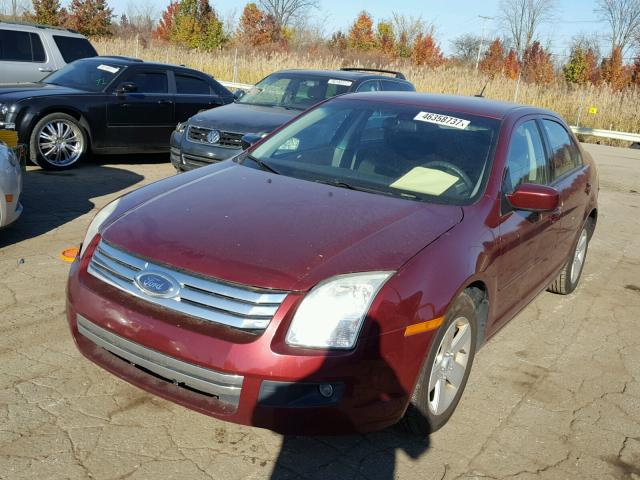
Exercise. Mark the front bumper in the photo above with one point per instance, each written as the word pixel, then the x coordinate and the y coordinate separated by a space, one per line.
pixel 235 376
pixel 187 155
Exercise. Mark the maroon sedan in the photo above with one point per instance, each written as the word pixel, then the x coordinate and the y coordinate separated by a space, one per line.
pixel 339 275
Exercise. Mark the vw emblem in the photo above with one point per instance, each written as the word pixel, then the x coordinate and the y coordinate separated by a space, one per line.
pixel 156 284
pixel 213 136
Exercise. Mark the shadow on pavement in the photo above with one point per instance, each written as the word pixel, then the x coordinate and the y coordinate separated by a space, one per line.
pixel 52 199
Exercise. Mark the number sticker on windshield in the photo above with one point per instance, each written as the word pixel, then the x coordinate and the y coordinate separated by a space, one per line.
pixel 108 68
pixel 444 120
pixel 344 83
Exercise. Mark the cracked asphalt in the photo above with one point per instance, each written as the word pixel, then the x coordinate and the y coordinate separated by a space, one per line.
pixel 555 395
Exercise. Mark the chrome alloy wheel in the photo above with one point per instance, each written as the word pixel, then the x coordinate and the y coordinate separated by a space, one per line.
pixel 60 142
pixel 449 366
pixel 578 256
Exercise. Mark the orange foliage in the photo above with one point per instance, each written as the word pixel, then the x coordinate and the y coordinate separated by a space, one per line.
pixel 512 65
pixel 426 52
pixel 493 61
pixel 537 65
pixel 361 33
pixel 167 21
pixel 614 73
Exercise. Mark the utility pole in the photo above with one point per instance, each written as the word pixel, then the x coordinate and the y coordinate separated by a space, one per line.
pixel 484 19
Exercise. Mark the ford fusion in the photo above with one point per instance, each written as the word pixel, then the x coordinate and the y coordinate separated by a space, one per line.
pixel 340 274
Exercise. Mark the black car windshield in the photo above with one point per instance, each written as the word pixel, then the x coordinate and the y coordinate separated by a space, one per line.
pixel 417 153
pixel 90 75
pixel 294 91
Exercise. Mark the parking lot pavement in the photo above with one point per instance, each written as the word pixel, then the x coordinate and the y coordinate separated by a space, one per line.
pixel 556 394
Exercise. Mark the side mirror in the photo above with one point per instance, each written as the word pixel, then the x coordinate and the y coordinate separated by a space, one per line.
pixel 249 139
pixel 126 87
pixel 238 94
pixel 534 198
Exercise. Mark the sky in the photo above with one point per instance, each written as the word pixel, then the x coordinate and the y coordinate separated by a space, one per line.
pixel 451 18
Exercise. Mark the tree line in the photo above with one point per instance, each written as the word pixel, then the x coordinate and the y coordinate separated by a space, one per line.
pixel 279 25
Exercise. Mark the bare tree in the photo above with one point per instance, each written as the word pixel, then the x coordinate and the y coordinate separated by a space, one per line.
pixel 285 11
pixel 465 48
pixel 522 18
pixel 410 27
pixel 623 17
pixel 586 41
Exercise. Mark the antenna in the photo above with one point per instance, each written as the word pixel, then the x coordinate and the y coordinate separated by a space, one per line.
pixel 481 94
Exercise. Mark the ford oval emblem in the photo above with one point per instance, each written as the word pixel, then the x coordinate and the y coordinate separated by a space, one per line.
pixel 157 284
pixel 213 136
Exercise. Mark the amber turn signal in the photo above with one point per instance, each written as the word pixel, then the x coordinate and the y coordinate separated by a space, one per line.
pixel 423 326
pixel 70 254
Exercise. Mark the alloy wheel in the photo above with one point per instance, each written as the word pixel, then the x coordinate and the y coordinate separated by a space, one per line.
pixel 60 142
pixel 449 366
pixel 578 256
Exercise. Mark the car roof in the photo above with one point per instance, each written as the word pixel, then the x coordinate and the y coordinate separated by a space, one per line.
pixel 127 61
pixel 353 75
pixel 33 27
pixel 452 103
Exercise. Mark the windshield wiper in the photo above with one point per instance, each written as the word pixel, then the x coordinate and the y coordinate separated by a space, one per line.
pixel 262 164
pixel 348 186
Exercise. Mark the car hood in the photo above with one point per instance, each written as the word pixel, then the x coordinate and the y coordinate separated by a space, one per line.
pixel 256 228
pixel 242 118
pixel 19 91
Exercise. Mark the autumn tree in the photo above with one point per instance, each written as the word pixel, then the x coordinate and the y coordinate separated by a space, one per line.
pixel 426 52
pixel 196 25
pixel 575 71
pixel 90 17
pixel 339 41
pixel 385 38
pixel 511 67
pixel 537 65
pixel 613 71
pixel 492 63
pixel 257 28
pixel 47 12
pixel 635 72
pixel 167 22
pixel 361 33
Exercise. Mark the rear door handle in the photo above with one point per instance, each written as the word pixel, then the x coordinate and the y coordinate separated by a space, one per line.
pixel 165 102
pixel 43 69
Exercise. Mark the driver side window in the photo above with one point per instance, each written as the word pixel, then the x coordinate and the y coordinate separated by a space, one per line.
pixel 526 162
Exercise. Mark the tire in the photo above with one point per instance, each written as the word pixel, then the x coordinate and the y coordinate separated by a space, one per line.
pixel 424 414
pixel 57 142
pixel 569 277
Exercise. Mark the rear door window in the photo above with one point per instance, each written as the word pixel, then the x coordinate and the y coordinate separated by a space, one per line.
pixel 369 86
pixel 564 154
pixel 526 162
pixel 74 48
pixel 150 82
pixel 189 85
pixel 391 86
pixel 21 47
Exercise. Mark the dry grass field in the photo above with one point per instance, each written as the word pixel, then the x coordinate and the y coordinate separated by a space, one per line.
pixel 615 110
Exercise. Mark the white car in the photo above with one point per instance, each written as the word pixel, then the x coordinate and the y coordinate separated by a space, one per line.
pixel 10 186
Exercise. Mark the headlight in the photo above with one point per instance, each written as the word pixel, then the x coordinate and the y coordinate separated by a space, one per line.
pixel 96 223
pixel 332 313
pixel 180 128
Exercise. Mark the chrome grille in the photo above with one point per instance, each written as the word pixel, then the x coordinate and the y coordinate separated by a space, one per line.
pixel 198 161
pixel 226 387
pixel 206 299
pixel 227 139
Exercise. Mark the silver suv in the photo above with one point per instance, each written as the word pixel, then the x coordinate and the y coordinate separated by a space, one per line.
pixel 29 52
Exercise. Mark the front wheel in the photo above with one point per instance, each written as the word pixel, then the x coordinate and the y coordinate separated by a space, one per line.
pixel 568 279
pixel 57 142
pixel 446 370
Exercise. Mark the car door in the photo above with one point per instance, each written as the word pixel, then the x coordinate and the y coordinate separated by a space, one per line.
pixel 524 237
pixel 23 57
pixel 193 94
pixel 569 175
pixel 143 119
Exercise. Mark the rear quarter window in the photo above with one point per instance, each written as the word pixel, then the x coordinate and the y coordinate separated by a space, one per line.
pixel 392 86
pixel 190 85
pixel 74 48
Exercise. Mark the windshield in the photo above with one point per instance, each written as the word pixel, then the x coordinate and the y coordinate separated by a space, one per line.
pixel 85 75
pixel 416 153
pixel 294 91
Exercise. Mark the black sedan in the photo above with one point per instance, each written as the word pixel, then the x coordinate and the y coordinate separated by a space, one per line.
pixel 106 105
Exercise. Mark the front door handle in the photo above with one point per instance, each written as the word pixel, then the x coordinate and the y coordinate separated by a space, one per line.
pixel 47 70
pixel 165 102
